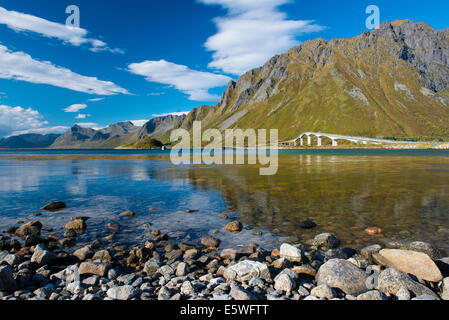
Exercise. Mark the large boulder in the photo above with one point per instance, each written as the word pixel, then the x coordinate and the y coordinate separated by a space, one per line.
pixel 247 269
pixel 426 248
pixel 344 275
pixel 7 281
pixel 392 280
pixel 416 263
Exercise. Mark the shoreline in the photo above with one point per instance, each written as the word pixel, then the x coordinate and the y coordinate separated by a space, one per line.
pixel 55 268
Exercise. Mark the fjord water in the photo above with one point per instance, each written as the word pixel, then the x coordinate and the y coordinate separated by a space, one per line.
pixel 406 193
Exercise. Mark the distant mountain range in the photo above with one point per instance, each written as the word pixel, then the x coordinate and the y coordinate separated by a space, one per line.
pixel 29 141
pixel 113 136
pixel 388 82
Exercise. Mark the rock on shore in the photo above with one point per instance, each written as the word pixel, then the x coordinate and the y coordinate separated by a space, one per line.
pixel 47 268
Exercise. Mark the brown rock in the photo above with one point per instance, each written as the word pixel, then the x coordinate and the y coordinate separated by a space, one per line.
pixel 412 262
pixel 281 263
pixel 30 228
pixel 275 253
pixel 128 214
pixel 234 226
pixel 77 224
pixel 307 270
pixel 230 254
pixel 103 255
pixel 373 231
pixel 97 268
pixel 209 242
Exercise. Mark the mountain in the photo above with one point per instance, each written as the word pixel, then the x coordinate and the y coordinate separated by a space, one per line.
pixel 113 136
pixel 28 141
pixel 392 81
pixel 160 127
pixel 145 143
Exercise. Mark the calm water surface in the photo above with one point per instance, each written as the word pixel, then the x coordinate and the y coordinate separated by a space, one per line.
pixel 406 193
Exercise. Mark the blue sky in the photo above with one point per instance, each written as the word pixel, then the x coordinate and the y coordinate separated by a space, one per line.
pixel 131 60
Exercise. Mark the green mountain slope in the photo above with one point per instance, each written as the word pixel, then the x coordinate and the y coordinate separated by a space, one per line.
pixel 387 82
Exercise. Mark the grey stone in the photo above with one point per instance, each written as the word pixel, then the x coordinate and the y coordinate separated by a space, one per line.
pixel 237 293
pixel 75 287
pixel 187 288
pixel 343 275
pixel 327 240
pixel 426 248
pixel 7 281
pixel 44 292
pixel 426 297
pixel 323 292
pixel 245 270
pixel 84 253
pixel 392 280
pixel 12 259
pixel 151 266
pixel 182 269
pixel 69 274
pixel 372 296
pixel 291 253
pixel 286 281
pixel 403 294
pixel 209 241
pixel 166 270
pixel 122 293
pixel 43 257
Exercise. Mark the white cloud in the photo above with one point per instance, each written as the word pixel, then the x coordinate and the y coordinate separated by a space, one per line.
pixel 171 114
pixel 22 22
pixel 47 130
pixel 82 116
pixel 251 33
pixel 21 66
pixel 194 83
pixel 18 120
pixel 91 125
pixel 96 99
pixel 139 123
pixel 75 108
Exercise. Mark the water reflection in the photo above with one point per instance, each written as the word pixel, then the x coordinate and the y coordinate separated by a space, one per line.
pixel 406 195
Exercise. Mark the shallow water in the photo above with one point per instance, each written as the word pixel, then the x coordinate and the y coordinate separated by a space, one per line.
pixel 406 193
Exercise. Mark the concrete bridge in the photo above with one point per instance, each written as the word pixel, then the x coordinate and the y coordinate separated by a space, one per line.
pixel 335 138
